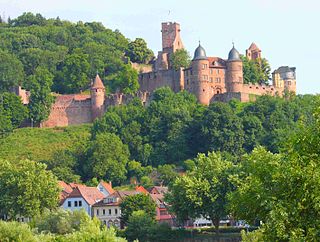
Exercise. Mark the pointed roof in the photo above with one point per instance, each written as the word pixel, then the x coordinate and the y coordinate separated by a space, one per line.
pixel 97 83
pixel 107 186
pixel 253 46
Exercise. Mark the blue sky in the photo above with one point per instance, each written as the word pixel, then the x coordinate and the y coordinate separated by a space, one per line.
pixel 287 31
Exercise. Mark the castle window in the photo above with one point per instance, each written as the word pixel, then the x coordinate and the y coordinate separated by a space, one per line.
pixel 203 90
pixel 257 87
pixel 211 79
pixel 204 66
pixel 187 81
pixel 218 79
pixel 205 77
pixel 218 92
pixel 211 71
pixel 218 71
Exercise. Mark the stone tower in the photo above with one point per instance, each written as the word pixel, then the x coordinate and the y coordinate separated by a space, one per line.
pixel 285 77
pixel 97 97
pixel 171 40
pixel 253 52
pixel 234 72
pixel 200 68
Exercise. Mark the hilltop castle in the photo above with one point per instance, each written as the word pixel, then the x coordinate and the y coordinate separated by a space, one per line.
pixel 211 78
pixel 208 78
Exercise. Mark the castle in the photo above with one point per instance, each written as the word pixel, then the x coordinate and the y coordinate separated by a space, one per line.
pixel 211 78
pixel 208 78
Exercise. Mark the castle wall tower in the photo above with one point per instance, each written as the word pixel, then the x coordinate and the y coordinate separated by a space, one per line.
pixel 253 52
pixel 171 40
pixel 200 69
pixel 234 72
pixel 97 98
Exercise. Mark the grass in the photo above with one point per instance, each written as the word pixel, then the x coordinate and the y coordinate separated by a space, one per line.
pixel 40 143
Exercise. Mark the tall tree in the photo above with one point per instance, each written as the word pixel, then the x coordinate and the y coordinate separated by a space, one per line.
pixel 11 71
pixel 203 191
pixel 27 188
pixel 139 52
pixel 107 158
pixel 41 99
pixel 135 203
pixel 180 58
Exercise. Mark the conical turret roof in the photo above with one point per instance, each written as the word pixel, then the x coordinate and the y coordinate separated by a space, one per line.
pixel 97 83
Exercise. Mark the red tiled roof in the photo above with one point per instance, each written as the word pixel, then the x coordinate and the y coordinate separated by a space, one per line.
pixel 141 189
pixel 65 187
pixel 67 99
pixel 159 190
pixel 221 62
pixel 117 194
pixel 90 194
pixel 107 186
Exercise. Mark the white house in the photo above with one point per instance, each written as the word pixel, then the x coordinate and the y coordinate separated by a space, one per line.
pixel 108 210
pixel 82 197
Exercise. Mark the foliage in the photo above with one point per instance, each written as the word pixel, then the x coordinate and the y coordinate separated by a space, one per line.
pixel 72 52
pixel 107 158
pixel 139 226
pixel 11 71
pixel 202 191
pixel 256 71
pixel 27 188
pixel 15 231
pixel 86 229
pixel 41 99
pixel 167 174
pixel 138 51
pixel 137 202
pixel 126 81
pixel 180 58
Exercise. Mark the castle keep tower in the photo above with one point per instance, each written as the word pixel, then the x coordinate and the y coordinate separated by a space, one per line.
pixel 200 68
pixel 234 72
pixel 97 98
pixel 171 40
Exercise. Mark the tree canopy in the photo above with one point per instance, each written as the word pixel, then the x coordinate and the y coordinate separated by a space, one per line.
pixel 27 188
pixel 180 58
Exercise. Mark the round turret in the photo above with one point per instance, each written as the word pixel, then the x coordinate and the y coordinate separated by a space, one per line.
pixel 97 97
pixel 234 72
pixel 200 69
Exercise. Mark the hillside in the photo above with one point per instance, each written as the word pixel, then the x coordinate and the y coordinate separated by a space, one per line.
pixel 40 144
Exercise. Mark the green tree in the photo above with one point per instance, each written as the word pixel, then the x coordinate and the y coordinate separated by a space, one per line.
pixel 180 58
pixel 15 231
pixel 28 19
pixel 203 191
pixel 256 71
pixel 135 203
pixel 41 99
pixel 74 75
pixel 138 51
pixel 14 108
pixel 139 226
pixel 126 80
pixel 220 129
pixel 27 188
pixel 11 71
pixel 107 158
pixel 167 174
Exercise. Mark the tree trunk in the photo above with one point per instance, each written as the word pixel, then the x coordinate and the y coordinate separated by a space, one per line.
pixel 216 222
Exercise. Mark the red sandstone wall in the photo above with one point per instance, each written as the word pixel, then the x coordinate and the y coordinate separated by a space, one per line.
pixel 153 80
pixel 69 112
